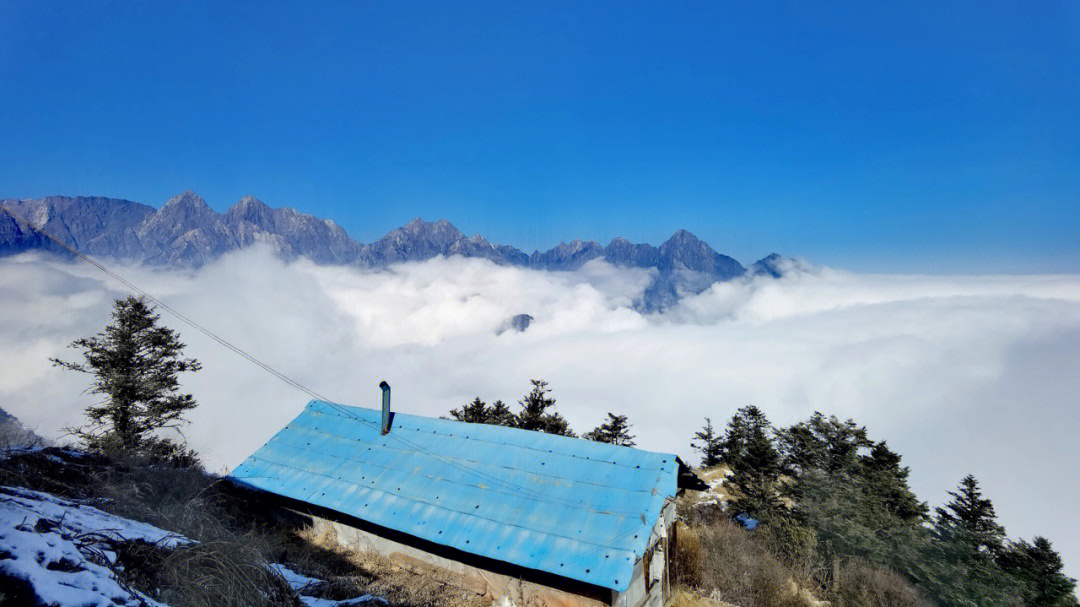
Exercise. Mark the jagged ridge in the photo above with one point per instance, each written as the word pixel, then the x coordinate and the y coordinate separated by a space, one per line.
pixel 186 232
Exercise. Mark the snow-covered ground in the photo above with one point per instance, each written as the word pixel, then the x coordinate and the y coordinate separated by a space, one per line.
pixel 62 549
pixel 302 584
pixel 716 494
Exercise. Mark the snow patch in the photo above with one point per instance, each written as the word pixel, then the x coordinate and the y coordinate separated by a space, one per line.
pixel 296 581
pixel 63 549
pixel 8 452
pixel 302 583
pixel 367 599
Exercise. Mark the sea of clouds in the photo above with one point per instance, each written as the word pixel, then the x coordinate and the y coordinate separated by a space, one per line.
pixel 961 374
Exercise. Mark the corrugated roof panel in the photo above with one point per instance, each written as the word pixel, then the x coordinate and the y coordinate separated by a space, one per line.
pixel 566 506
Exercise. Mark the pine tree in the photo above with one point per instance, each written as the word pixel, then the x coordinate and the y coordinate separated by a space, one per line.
pixel 822 443
pixel 135 363
pixel 1039 567
pixel 841 451
pixel 747 427
pixel 616 431
pixel 887 480
pixel 970 519
pixel 534 414
pixel 474 412
pixel 479 412
pixel 747 449
pixel 707 442
pixel 500 415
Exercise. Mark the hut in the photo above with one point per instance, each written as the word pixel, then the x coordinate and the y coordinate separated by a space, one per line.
pixel 536 518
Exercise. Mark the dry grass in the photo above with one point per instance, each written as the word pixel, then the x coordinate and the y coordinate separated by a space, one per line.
pixel 225 567
pixel 381 577
pixel 861 584
pixel 684 598
pixel 237 534
pixel 216 572
pixel 775 565
pixel 723 562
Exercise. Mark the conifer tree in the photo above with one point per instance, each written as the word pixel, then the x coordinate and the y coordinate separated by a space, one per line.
pixel 748 450
pixel 970 518
pixel 616 431
pixel 135 363
pixel 887 480
pixel 1039 567
pixel 535 414
pixel 748 430
pixel 822 443
pixel 499 414
pixel 707 442
pixel 474 412
pixel 479 412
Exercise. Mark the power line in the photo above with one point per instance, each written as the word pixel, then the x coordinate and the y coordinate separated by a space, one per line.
pixel 527 491
pixel 166 307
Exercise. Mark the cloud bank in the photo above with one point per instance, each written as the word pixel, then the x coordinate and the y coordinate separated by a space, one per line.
pixel 959 373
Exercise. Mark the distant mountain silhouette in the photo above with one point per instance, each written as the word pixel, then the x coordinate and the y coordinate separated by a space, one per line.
pixel 775 265
pixel 14 434
pixel 186 232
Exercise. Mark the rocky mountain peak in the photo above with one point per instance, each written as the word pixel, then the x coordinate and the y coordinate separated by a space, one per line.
pixel 577 245
pixel 682 239
pixel 183 209
pixel 186 231
pixel 767 266
pixel 567 256
pixel 684 250
pixel 775 265
pixel 250 202
pixel 252 210
pixel 186 200
pixel 441 231
pixel 446 230
pixel 622 252
pixel 418 240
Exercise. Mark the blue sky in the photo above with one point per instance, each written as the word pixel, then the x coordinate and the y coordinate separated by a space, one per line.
pixel 933 137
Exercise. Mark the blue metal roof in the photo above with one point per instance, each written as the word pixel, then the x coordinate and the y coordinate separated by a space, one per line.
pixel 572 507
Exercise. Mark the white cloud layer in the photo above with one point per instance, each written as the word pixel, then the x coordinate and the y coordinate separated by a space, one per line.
pixel 960 374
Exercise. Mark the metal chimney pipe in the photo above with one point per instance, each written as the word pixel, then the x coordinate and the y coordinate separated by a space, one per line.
pixel 385 407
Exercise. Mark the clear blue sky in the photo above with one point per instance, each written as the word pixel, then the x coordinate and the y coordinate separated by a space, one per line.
pixel 929 136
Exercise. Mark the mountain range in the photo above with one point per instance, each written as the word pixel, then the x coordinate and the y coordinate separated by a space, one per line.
pixel 186 232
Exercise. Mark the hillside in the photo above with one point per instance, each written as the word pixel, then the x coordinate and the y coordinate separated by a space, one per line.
pixel 78 529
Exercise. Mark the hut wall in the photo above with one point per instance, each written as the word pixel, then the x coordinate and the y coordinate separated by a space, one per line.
pixel 482 581
pixel 650 586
